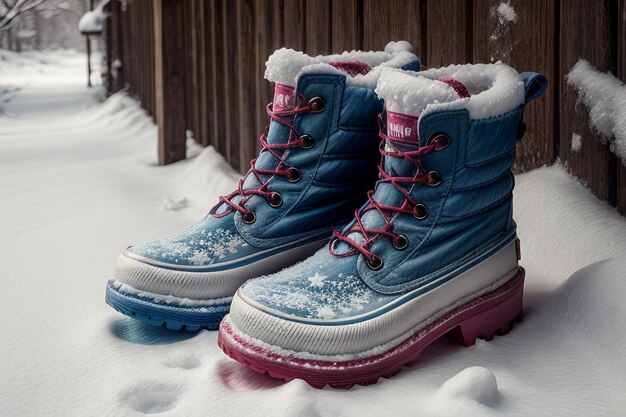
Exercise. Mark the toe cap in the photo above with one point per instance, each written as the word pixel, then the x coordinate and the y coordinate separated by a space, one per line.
pixel 322 288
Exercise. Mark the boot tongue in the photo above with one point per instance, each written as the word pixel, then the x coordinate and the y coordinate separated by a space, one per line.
pixel 284 97
pixel 406 97
pixel 282 68
pixel 402 126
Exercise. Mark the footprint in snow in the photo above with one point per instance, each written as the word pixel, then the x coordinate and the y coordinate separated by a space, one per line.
pixel 183 360
pixel 239 378
pixel 152 397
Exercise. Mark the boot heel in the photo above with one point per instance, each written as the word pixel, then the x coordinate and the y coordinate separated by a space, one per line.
pixel 492 318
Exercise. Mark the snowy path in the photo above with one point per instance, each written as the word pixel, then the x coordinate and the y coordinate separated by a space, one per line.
pixel 78 182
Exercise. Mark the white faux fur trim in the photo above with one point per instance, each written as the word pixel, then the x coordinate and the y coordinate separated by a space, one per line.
pixel 285 65
pixel 495 88
pixel 408 94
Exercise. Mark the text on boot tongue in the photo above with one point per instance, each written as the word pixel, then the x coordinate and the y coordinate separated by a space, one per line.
pixel 284 98
pixel 401 126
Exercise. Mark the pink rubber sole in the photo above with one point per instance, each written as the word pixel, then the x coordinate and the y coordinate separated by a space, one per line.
pixel 490 314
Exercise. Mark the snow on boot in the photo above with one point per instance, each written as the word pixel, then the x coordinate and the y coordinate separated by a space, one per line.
pixel 318 159
pixel 432 252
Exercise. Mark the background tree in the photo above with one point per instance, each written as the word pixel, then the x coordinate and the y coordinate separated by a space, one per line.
pixel 10 9
pixel 41 24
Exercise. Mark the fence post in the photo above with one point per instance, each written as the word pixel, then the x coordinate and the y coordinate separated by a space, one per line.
pixel 593 164
pixel 169 84
pixel 621 73
pixel 527 46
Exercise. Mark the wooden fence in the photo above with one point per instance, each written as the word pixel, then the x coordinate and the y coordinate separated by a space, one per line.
pixel 198 64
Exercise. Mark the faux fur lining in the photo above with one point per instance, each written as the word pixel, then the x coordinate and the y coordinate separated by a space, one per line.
pixel 408 94
pixel 285 65
pixel 495 88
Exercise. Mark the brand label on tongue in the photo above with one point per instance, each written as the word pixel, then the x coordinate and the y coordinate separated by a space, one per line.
pixel 283 97
pixel 401 126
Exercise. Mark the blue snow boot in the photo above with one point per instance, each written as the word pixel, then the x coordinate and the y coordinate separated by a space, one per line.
pixel 319 157
pixel 433 251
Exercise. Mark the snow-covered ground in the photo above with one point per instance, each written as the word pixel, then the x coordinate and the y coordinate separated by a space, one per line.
pixel 78 182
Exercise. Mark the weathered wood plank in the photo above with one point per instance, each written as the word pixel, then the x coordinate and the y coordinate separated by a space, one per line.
pixel 246 49
pixel 269 37
pixel 392 20
pixel 621 72
pixel 215 39
pixel 527 46
pixel 318 27
pixel 196 66
pixel 592 163
pixel 169 53
pixel 294 24
pixel 277 23
pixel 203 82
pixel 230 108
pixel 150 57
pixel 191 70
pixel 346 26
pixel 446 45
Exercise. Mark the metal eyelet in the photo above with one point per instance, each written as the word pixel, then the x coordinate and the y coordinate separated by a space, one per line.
pixel 434 179
pixel 307 141
pixel 294 175
pixel 275 200
pixel 375 263
pixel 440 140
pixel 420 211
pixel 400 242
pixel 249 217
pixel 317 104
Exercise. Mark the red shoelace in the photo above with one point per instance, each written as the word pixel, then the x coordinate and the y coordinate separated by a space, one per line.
pixel 277 150
pixel 409 205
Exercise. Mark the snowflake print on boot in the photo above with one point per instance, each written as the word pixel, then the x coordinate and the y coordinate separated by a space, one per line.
pixel 433 251
pixel 318 159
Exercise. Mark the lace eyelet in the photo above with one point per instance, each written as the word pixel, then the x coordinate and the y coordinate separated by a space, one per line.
pixel 434 179
pixel 249 217
pixel 307 142
pixel 420 211
pixel 275 200
pixel 294 175
pixel 440 140
pixel 400 242
pixel 333 244
pixel 375 263
pixel 317 104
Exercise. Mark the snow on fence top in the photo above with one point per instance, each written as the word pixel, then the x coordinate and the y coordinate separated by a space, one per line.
pixel 93 21
pixel 506 13
pixel 605 97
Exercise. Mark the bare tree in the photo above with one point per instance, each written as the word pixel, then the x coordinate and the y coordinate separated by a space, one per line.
pixel 10 9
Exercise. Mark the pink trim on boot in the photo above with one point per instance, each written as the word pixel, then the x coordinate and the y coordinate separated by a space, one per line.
pixel 490 314
pixel 352 68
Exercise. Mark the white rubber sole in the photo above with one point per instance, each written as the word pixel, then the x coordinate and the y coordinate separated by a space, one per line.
pixel 204 285
pixel 380 333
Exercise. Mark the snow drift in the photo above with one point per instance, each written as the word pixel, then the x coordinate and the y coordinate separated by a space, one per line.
pixel 79 182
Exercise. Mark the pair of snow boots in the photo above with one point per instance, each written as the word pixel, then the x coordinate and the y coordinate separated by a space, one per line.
pixel 376 218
